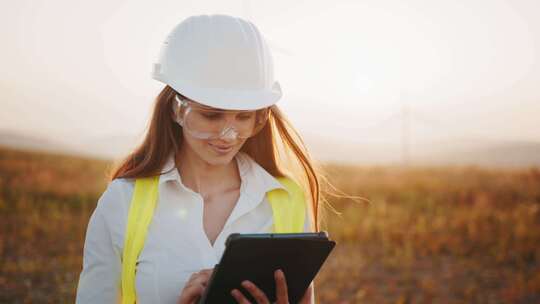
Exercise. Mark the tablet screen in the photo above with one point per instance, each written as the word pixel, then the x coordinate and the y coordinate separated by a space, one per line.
pixel 255 257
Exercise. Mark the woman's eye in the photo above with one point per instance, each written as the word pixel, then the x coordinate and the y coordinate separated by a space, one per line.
pixel 215 115
pixel 245 116
pixel 211 115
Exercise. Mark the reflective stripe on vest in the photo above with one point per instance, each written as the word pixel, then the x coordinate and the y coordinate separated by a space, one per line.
pixel 288 215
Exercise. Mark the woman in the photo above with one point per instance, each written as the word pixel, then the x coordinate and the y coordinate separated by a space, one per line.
pixel 218 142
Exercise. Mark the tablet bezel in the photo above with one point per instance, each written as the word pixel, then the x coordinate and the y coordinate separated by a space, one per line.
pixel 238 237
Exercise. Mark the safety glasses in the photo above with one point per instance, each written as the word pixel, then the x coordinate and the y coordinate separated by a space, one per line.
pixel 210 123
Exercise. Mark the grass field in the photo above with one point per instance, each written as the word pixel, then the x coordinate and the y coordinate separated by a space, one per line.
pixel 428 235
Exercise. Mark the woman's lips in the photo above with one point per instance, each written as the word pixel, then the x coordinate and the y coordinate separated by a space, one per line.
pixel 222 149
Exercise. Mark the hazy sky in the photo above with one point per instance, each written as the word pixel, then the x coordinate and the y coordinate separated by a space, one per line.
pixel 81 69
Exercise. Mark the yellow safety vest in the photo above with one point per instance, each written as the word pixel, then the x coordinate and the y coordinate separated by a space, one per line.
pixel 288 213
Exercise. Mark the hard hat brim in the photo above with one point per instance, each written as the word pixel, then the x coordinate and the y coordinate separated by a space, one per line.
pixel 226 99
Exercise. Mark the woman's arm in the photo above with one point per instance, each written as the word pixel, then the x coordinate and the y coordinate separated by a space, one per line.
pixel 99 281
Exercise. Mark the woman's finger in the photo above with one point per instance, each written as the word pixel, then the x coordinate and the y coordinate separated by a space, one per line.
pixel 256 292
pixel 191 293
pixel 207 272
pixel 199 281
pixel 308 295
pixel 201 277
pixel 239 297
pixel 282 294
pixel 203 273
pixel 195 286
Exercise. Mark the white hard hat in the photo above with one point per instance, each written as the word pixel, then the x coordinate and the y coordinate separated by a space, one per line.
pixel 220 61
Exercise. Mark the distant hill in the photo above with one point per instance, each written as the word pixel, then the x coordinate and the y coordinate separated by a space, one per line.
pixel 97 147
pixel 33 143
pixel 108 146
pixel 427 152
pixel 504 154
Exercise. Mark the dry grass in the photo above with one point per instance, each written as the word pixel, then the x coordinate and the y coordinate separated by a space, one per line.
pixel 429 235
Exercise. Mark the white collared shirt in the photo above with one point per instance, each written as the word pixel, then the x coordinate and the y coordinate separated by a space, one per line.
pixel 176 244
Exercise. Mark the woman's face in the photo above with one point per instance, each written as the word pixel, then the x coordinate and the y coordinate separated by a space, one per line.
pixel 200 120
pixel 210 150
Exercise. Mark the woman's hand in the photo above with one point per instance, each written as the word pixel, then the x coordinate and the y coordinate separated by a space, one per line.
pixel 282 296
pixel 309 295
pixel 195 286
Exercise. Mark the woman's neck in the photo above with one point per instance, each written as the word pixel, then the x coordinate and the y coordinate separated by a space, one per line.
pixel 205 178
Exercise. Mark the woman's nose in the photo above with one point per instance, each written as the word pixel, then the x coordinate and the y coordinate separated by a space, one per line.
pixel 229 134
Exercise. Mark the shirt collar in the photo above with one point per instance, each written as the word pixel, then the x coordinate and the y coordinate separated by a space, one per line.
pixel 255 179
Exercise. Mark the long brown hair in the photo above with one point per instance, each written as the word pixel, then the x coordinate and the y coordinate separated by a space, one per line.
pixel 272 152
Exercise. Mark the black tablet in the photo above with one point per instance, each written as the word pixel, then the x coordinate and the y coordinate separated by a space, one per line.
pixel 255 257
